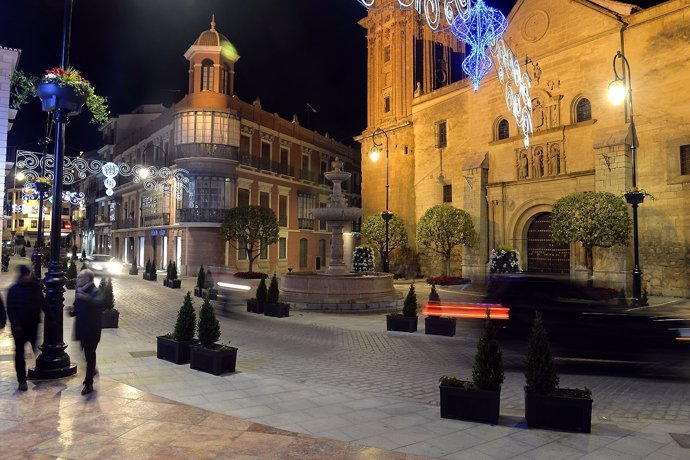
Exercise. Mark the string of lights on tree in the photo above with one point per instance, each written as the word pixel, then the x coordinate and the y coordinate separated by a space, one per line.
pixel 482 28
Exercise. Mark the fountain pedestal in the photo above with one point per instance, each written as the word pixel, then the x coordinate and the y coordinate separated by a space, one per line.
pixel 337 289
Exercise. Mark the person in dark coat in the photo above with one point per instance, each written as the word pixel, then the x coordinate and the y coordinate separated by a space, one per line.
pixel 87 310
pixel 25 302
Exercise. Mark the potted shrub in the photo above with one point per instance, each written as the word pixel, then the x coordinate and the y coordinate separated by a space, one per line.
pixel 547 405
pixel 210 356
pixel 200 283
pixel 147 269
pixel 210 283
pixel 110 317
pixel 257 304
pixel 66 89
pixel 83 255
pixel 71 276
pixel 172 281
pixel 273 306
pixel 407 321
pixel 434 323
pixel 174 347
pixel 153 276
pixel 479 399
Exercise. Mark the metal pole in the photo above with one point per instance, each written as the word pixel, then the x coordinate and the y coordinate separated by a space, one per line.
pixel 386 260
pixel 53 362
pixel 637 272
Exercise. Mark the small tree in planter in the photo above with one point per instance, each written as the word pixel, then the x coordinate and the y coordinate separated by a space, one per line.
pixel 111 316
pixel 175 347
pixel 273 307
pixel 210 356
pixel 547 405
pixel 172 281
pixel 83 255
pixel 200 282
pixel 258 303
pixel 210 285
pixel 407 322
pixel 147 270
pixel 434 323
pixel 71 276
pixel 479 399
pixel 133 269
pixel 153 276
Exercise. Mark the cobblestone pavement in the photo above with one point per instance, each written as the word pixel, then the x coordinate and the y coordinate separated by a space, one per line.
pixel 344 377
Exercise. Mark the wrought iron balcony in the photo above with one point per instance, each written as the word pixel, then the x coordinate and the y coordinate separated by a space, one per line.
pixel 155 220
pixel 124 223
pixel 305 224
pixel 201 214
pixel 282 221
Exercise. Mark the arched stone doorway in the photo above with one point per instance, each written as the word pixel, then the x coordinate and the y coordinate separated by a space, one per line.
pixel 543 255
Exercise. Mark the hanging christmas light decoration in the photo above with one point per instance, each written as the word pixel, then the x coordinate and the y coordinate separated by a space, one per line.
pixel 479 27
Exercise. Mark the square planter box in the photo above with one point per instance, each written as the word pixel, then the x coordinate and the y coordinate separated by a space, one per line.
pixel 558 411
pixel 198 292
pixel 151 277
pixel 110 319
pixel 401 323
pixel 214 361
pixel 437 325
pixel 172 350
pixel 277 310
pixel 251 305
pixel 477 405
pixel 174 284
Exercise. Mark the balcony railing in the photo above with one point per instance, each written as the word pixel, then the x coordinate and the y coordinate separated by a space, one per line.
pixel 155 220
pixel 305 224
pixel 282 221
pixel 124 223
pixel 201 214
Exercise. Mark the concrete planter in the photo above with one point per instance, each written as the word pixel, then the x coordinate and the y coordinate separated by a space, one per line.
pixel 216 361
pixel 401 323
pixel 559 411
pixel 277 310
pixel 110 319
pixel 437 325
pixel 470 404
pixel 177 352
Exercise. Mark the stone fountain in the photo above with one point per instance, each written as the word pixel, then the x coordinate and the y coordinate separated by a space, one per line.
pixel 337 289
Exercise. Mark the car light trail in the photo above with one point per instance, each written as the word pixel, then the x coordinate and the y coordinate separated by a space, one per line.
pixel 476 310
pixel 239 287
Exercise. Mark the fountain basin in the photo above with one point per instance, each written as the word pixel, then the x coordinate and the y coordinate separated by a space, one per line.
pixel 337 214
pixel 349 292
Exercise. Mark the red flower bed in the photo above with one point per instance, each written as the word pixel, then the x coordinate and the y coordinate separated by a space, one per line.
pixel 250 275
pixel 446 280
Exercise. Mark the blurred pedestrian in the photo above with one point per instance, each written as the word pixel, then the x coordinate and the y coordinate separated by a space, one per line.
pixel 87 310
pixel 25 302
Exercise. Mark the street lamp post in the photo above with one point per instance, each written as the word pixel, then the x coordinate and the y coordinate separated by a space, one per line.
pixel 54 362
pixel 386 215
pixel 617 93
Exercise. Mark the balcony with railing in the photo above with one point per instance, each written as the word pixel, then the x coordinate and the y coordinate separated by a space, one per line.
pixel 201 214
pixel 282 221
pixel 124 223
pixel 305 224
pixel 102 220
pixel 156 220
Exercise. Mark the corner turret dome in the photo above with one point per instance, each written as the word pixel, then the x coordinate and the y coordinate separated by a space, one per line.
pixel 211 37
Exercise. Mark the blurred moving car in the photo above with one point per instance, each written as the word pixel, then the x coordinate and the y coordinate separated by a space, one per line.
pixel 103 264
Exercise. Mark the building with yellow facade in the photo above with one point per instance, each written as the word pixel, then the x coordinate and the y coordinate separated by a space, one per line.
pixel 449 144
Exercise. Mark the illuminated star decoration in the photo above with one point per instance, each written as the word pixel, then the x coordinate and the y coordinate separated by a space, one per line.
pixel 479 27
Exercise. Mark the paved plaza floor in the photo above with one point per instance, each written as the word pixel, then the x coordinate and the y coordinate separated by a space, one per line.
pixel 311 385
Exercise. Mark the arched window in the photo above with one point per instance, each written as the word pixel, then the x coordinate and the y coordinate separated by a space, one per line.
pixel 207 75
pixel 503 131
pixel 583 110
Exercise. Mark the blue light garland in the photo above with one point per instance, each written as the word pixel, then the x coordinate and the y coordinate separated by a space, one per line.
pixel 479 27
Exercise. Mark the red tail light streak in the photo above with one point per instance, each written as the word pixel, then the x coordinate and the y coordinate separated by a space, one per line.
pixel 467 310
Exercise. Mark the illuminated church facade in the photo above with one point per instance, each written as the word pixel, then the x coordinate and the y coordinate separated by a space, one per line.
pixel 451 145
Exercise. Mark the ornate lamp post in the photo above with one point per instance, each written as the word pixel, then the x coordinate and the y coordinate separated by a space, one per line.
pixel 53 362
pixel 617 93
pixel 386 215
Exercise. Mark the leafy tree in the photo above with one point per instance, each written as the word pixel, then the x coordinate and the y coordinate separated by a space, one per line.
pixel 541 371
pixel 593 219
pixel 22 85
pixel 374 231
pixel 410 305
pixel 273 292
pixel 487 373
pixel 249 227
pixel 209 328
pixel 186 320
pixel 442 228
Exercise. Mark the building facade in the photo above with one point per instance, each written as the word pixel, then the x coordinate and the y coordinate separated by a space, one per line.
pixel 462 148
pixel 8 64
pixel 232 153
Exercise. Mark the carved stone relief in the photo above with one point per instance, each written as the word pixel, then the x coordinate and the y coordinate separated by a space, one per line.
pixel 540 161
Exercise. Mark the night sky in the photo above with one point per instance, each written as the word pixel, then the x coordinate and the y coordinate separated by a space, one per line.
pixel 292 52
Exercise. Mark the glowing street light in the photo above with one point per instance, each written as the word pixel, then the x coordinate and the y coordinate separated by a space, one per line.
pixel 621 84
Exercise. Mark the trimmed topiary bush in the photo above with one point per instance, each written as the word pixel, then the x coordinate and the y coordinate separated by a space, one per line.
pixel 261 292
pixel 147 269
pixel 273 291
pixel 541 370
pixel 209 283
pixel 487 373
pixel 173 271
pixel 201 278
pixel 433 295
pixel 185 327
pixel 209 328
pixel 410 305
